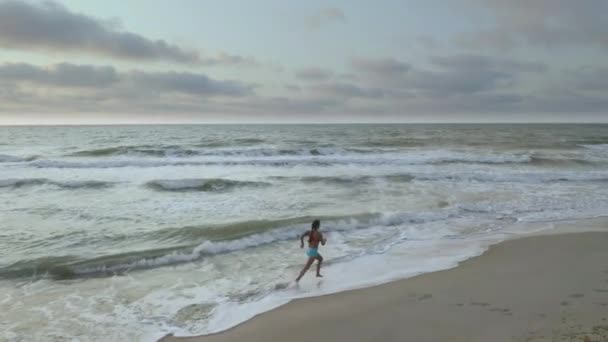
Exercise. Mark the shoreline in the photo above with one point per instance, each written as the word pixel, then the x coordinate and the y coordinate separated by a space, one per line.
pixel 412 308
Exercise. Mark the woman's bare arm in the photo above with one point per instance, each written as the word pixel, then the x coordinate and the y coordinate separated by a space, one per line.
pixel 302 239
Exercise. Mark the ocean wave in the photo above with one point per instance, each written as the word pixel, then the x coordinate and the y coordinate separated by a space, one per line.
pixel 350 180
pixel 235 237
pixel 211 143
pixel 293 154
pixel 546 161
pixel 237 230
pixel 248 141
pixel 466 176
pixel 201 184
pixel 298 151
pixel 5 158
pixel 329 156
pixel 602 146
pixel 338 180
pixel 515 177
pixel 597 150
pixel 18 183
pixel 24 182
pixel 311 160
pixel 215 149
pixel 143 150
pixel 270 152
pixel 399 142
pixel 39 267
pixel 138 163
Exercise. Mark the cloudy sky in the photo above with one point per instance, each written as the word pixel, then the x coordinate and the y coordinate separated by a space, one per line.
pixel 158 61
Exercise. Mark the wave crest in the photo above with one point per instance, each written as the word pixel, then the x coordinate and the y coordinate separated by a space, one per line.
pixel 24 182
pixel 5 158
pixel 144 150
pixel 201 184
pixel 240 236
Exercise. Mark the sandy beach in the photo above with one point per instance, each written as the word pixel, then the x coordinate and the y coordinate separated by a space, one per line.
pixel 538 288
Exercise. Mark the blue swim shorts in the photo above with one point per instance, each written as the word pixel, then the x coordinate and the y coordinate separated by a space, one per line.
pixel 312 252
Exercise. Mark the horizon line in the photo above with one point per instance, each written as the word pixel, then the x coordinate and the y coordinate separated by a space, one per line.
pixel 310 123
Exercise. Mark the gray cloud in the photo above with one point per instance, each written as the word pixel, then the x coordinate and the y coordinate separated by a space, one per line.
pixel 545 23
pixel 462 74
pixel 313 74
pixel 188 83
pixel 132 83
pixel 383 66
pixel 49 26
pixel 572 102
pixel 292 87
pixel 325 16
pixel 589 78
pixel 285 107
pixel 380 72
pixel 429 42
pixel 64 74
pixel 470 62
pixel 447 83
pixel 348 90
pixel 449 75
pixel 457 83
pixel 228 60
pixel 471 85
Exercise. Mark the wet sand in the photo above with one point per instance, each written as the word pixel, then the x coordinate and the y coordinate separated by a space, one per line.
pixel 538 288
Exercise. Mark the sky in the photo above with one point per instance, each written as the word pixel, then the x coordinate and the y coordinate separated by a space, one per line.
pixel 279 61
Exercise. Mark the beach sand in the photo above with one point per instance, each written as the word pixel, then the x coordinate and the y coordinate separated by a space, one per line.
pixel 539 288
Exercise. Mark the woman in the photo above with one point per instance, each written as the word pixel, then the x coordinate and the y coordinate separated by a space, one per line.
pixel 314 238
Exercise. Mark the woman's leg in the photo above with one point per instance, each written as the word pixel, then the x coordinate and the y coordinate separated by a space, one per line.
pixel 320 258
pixel 306 267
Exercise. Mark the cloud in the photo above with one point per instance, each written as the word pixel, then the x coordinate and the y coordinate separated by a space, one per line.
pixel 427 41
pixel 589 78
pixel 188 83
pixel 454 82
pixel 49 26
pixel 384 66
pixel 284 107
pixel 226 59
pixel 477 86
pixel 106 80
pixel 64 74
pixel 466 74
pixel 448 75
pixel 469 62
pixel 313 74
pixel 292 87
pixel 325 16
pixel 347 90
pixel 545 23
pixel 380 72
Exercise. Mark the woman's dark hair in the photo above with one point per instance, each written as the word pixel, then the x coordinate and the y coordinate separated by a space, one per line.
pixel 315 226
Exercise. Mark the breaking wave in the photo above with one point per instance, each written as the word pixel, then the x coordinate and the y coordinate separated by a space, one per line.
pixel 208 185
pixel 5 158
pixel 217 240
pixel 25 182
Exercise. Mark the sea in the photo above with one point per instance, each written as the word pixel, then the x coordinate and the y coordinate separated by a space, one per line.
pixel 133 232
